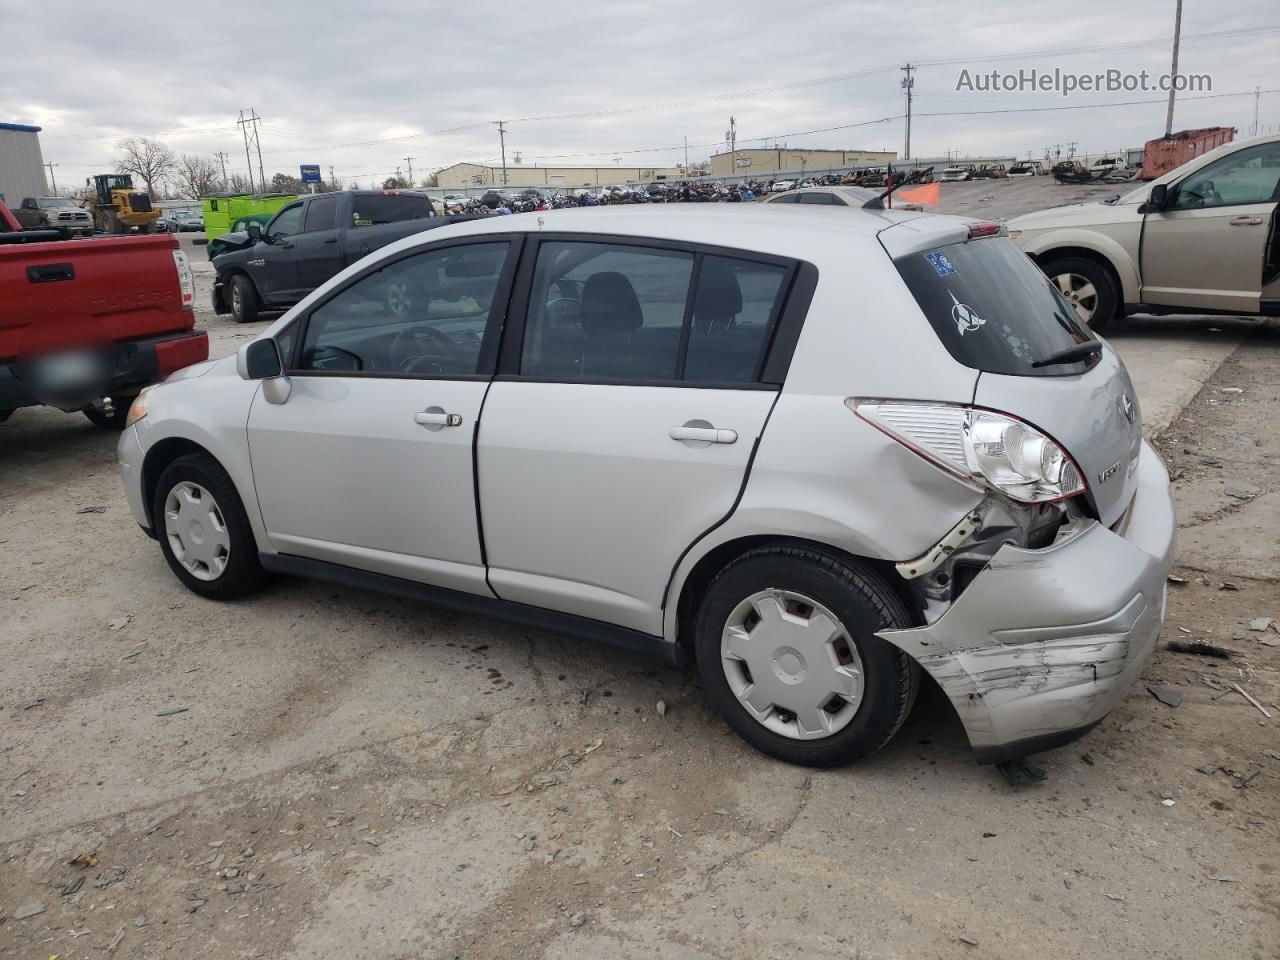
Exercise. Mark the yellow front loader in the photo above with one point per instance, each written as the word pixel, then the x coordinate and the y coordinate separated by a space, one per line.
pixel 118 208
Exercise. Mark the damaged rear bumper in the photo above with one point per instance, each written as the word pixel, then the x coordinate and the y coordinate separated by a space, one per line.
pixel 1044 643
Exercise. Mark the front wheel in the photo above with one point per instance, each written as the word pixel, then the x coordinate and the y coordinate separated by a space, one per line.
pixel 788 654
pixel 1087 286
pixel 244 299
pixel 204 531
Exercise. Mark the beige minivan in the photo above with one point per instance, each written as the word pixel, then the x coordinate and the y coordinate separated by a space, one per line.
pixel 1201 239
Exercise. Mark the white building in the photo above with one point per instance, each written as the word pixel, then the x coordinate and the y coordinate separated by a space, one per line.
pixel 21 164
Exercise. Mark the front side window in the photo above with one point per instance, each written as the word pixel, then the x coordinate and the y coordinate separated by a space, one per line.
pixel 287 222
pixel 426 314
pixel 1248 176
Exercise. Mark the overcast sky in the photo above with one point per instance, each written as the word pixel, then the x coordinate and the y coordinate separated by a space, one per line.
pixel 330 78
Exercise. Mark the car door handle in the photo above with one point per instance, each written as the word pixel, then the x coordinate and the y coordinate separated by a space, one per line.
pixel 432 419
pixel 332 240
pixel 286 245
pixel 703 434
pixel 1245 221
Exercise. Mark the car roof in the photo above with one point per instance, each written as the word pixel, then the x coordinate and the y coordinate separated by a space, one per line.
pixel 812 232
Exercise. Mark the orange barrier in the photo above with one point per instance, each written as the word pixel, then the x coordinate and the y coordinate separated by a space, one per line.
pixel 926 196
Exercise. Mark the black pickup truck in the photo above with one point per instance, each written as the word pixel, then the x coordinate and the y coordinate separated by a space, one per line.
pixel 310 241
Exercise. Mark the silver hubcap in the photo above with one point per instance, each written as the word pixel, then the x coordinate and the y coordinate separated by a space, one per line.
pixel 196 531
pixel 792 664
pixel 1080 293
pixel 398 299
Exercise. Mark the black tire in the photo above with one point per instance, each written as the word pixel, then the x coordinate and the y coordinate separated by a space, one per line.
pixel 244 299
pixel 243 574
pixel 113 421
pixel 865 605
pixel 1108 300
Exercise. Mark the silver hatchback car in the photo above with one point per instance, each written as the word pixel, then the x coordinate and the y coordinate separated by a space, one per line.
pixel 814 451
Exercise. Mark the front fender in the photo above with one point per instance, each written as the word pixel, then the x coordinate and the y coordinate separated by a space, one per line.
pixel 213 412
pixel 1044 246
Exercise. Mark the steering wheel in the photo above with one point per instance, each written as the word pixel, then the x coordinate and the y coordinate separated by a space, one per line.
pixel 423 350
pixel 564 313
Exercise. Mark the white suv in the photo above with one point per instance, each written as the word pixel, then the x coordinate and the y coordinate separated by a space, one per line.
pixel 814 450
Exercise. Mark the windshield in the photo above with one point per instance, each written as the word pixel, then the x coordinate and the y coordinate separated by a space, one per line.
pixel 993 309
pixel 55 202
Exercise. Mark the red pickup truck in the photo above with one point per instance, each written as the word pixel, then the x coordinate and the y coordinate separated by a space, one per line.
pixel 86 324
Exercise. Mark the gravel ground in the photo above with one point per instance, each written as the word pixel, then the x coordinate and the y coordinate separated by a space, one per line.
pixel 353 776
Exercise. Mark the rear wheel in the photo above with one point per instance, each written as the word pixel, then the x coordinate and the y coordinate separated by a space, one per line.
pixel 204 531
pixel 244 299
pixel 1088 287
pixel 787 651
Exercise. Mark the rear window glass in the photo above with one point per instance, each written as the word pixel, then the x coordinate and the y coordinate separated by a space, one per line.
pixel 992 307
pixel 371 210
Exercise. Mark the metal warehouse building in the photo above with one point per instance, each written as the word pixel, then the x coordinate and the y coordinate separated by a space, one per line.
pixel 21 164
pixel 755 163
pixel 479 175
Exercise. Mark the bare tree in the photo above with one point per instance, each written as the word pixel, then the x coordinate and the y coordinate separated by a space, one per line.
pixel 396 183
pixel 238 183
pixel 148 160
pixel 197 176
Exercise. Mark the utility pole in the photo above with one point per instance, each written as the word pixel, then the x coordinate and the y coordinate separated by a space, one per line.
pixel 1071 149
pixel 731 137
pixel 686 157
pixel 908 82
pixel 332 182
pixel 1257 99
pixel 54 181
pixel 222 159
pixel 1173 71
pixel 502 140
pixel 409 161
pixel 246 125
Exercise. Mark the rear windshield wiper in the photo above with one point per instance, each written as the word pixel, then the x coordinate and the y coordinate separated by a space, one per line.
pixel 1076 352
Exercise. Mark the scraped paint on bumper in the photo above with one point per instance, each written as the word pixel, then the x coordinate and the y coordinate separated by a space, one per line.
pixel 1045 643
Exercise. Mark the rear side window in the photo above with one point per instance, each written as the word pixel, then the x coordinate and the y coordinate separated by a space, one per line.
pixel 992 307
pixel 606 312
pixel 618 312
pixel 369 210
pixel 320 214
pixel 733 313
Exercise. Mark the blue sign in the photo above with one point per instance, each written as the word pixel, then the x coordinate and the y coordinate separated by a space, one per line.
pixel 941 264
pixel 310 172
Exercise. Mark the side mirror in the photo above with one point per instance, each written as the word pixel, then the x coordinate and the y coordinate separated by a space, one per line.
pixel 259 360
pixel 1158 199
pixel 254 229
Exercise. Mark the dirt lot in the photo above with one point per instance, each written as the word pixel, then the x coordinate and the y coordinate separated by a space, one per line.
pixel 353 776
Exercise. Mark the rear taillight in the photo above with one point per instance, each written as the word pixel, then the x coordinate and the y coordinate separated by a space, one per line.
pixel 984 230
pixel 993 450
pixel 186 285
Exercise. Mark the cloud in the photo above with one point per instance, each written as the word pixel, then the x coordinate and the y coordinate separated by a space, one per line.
pixel 330 78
